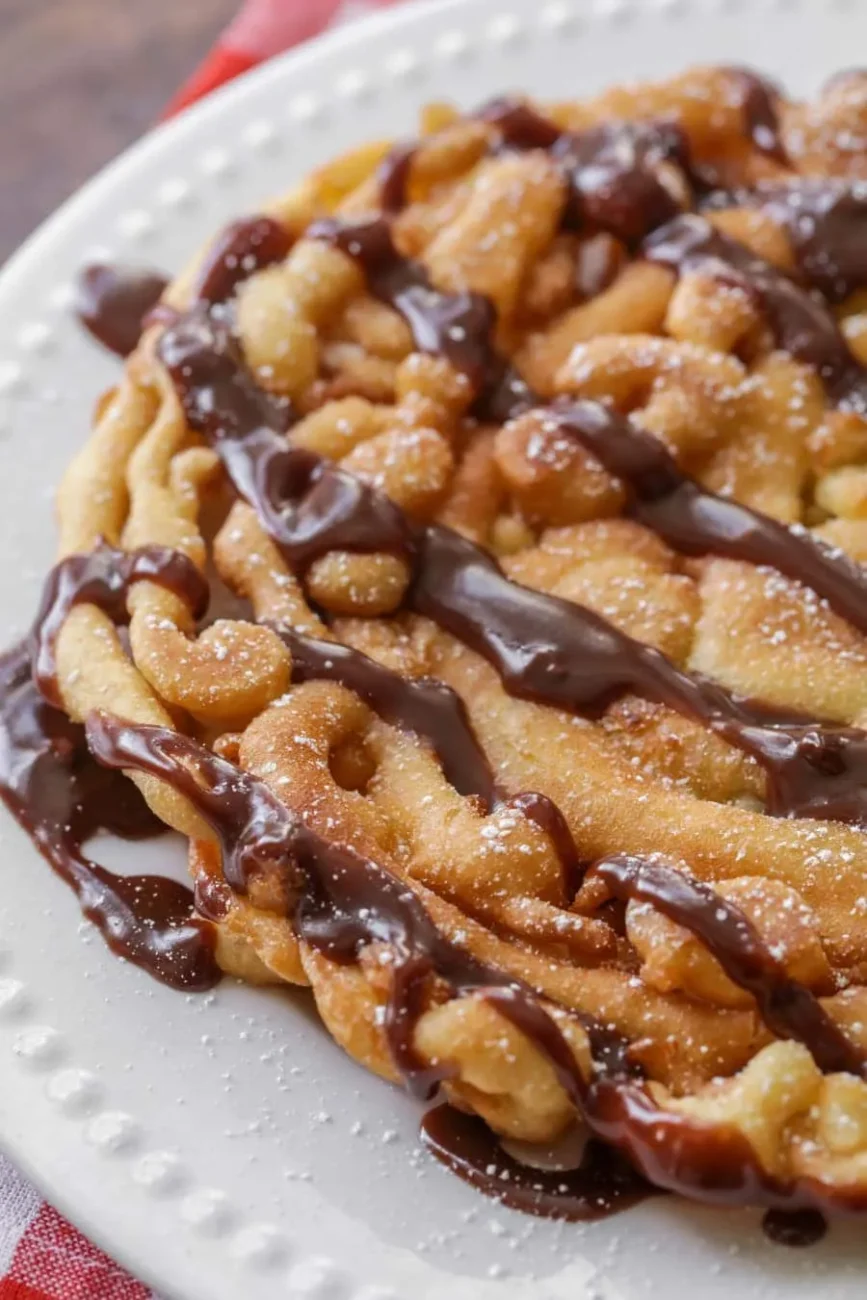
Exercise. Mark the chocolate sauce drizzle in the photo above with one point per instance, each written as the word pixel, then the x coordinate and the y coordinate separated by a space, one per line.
pixel 604 1183
pixel 761 112
pixel 788 1008
pixel 393 177
pixel 612 170
pixel 112 303
pixel 802 325
pixel 697 522
pixel 243 248
pixel 103 578
pixel 457 326
pixel 825 221
pixel 544 648
pixel 342 902
pixel 61 797
pixel 425 706
pixel 435 712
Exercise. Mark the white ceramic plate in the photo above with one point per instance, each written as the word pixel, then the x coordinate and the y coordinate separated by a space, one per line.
pixel 222 1146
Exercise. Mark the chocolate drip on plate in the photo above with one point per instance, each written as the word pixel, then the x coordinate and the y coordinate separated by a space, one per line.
pixel 243 248
pixel 794 1227
pixel 788 1008
pixel 603 1184
pixel 802 325
pixel 111 302
pixel 61 797
pixel 103 578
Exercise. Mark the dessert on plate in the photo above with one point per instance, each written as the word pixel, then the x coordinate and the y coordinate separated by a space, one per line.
pixel 470 562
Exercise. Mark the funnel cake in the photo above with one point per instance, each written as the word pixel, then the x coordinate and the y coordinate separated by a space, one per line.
pixel 526 464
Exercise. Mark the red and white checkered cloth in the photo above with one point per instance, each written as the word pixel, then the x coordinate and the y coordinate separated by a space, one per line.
pixel 42 1257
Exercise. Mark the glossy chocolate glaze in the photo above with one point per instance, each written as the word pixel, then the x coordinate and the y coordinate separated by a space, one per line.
pixel 422 705
pixel 544 648
pixel 761 112
pixel 111 302
pixel 604 1183
pixel 825 221
pixel 795 1227
pixel 392 176
pixel 307 504
pixel 801 324
pixel 243 248
pixel 435 712
pixel 343 901
pixel 695 521
pixel 457 326
pixel 555 652
pixel 103 577
pixel 61 798
pixel 612 170
pixel 548 817
pixel 788 1008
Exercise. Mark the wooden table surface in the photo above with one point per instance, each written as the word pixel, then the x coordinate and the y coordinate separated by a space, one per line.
pixel 79 81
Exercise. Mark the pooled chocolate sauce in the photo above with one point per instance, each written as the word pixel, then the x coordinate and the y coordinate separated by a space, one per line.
pixel 603 1184
pixel 393 176
pixel 425 706
pixel 788 1008
pixel 61 797
pixel 103 577
pixel 697 522
pixel 802 325
pixel 544 648
pixel 243 248
pixel 111 302
pixel 794 1227
pixel 343 902
pixel 761 115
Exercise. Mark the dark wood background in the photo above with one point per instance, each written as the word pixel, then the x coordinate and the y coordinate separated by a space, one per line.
pixel 79 81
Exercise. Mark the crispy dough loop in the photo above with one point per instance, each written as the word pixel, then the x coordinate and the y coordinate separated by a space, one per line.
pixel 232 669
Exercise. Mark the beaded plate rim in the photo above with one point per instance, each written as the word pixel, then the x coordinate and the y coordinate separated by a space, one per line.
pixel 208 1249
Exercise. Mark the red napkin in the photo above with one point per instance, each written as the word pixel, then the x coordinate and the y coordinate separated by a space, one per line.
pixel 42 1257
